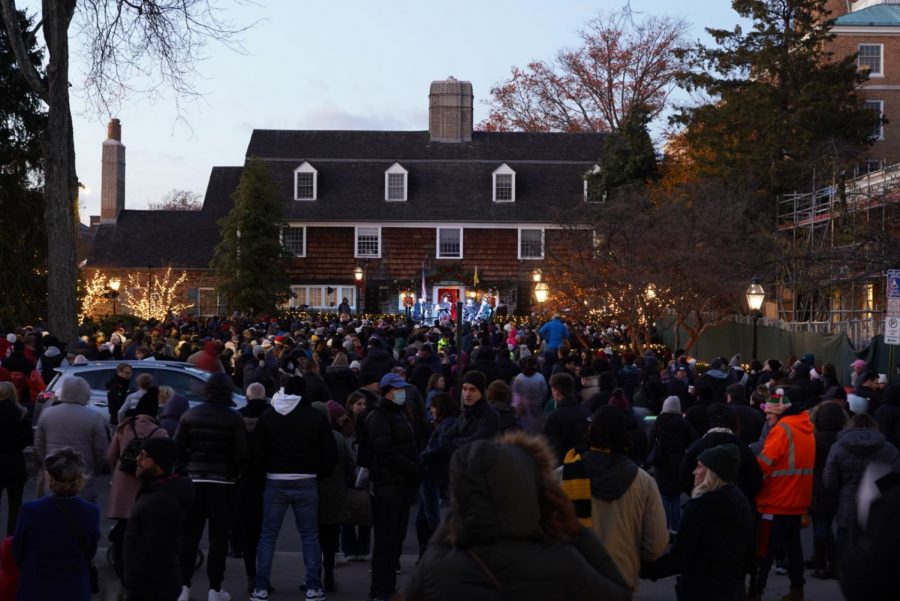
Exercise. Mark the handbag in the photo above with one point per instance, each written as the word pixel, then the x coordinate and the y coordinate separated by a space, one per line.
pixel 93 574
pixel 359 503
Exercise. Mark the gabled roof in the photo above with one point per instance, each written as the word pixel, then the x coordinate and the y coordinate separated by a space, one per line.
pixel 183 239
pixel 446 181
pixel 880 15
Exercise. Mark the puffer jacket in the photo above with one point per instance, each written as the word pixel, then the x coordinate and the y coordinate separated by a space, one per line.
pixel 674 435
pixel 212 442
pixel 496 518
pixel 478 422
pixel 829 420
pixel 393 442
pixel 847 461
pixel 888 415
pixel 787 461
pixel 15 435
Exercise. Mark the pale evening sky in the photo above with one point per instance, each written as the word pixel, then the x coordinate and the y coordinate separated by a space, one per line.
pixel 343 64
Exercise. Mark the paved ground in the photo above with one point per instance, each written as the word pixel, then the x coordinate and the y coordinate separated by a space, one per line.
pixel 353 578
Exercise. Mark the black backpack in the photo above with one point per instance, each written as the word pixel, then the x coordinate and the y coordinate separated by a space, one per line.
pixel 128 458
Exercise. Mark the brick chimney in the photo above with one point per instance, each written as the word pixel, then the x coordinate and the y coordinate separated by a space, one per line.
pixel 112 175
pixel 450 111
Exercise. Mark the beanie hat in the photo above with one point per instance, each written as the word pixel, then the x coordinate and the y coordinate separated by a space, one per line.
pixel 295 386
pixel 391 381
pixel 65 464
pixel 724 460
pixel 476 379
pixel 858 364
pixel 672 404
pixel 335 411
pixel 808 358
pixel 367 378
pixel 256 392
pixel 857 404
pixel 11 338
pixel 219 389
pixel 75 390
pixel 607 429
pixel 162 450
pixel 354 364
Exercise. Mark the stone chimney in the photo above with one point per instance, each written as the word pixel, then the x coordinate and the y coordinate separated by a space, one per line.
pixel 450 111
pixel 112 175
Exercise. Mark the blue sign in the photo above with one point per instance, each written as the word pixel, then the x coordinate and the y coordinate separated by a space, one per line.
pixel 893 283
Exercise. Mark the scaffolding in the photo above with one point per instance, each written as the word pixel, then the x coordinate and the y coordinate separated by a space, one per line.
pixel 842 238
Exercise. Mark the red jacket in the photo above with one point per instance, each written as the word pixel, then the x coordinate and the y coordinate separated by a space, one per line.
pixel 787 461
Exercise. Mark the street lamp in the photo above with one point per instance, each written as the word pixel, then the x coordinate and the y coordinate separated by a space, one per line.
pixel 114 284
pixel 755 297
pixel 358 274
pixel 541 292
pixel 536 275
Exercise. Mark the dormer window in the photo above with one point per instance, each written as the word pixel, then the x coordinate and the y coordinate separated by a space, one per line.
pixel 595 195
pixel 305 182
pixel 395 179
pixel 504 184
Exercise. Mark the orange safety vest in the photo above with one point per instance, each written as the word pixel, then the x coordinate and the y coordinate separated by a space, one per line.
pixel 787 461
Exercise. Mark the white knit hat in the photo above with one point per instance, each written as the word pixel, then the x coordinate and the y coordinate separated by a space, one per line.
pixel 672 404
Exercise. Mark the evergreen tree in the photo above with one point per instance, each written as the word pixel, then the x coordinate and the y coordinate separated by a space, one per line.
pixel 249 261
pixel 23 255
pixel 781 107
pixel 628 159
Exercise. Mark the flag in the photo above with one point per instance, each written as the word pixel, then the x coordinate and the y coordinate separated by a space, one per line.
pixel 475 279
pixel 424 290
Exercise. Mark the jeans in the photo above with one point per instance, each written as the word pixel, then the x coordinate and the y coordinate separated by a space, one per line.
pixel 779 535
pixel 213 502
pixel 429 508
pixel 303 497
pixel 356 540
pixel 14 494
pixel 391 513
pixel 672 507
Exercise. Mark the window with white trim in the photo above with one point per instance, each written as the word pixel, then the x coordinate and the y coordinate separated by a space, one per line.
pixel 504 184
pixel 368 242
pixel 870 57
pixel 877 109
pixel 305 182
pixel 531 243
pixel 449 243
pixel 395 179
pixel 293 239
pixel 207 302
pixel 325 296
pixel 593 195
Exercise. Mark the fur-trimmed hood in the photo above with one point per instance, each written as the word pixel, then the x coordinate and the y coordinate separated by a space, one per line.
pixel 496 489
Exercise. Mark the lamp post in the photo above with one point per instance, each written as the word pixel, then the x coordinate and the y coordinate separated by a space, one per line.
pixel 114 284
pixel 755 297
pixel 541 292
pixel 536 275
pixel 358 274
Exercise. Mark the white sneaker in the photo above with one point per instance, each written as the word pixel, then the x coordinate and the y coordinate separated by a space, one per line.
pixel 219 595
pixel 315 594
pixel 185 593
pixel 259 595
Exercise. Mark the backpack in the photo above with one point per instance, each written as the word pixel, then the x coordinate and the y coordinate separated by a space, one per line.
pixel 128 458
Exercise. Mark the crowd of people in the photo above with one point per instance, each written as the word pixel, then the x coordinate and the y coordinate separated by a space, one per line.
pixel 542 461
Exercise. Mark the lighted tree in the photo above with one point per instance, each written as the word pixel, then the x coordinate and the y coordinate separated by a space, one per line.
pixel 95 290
pixel 152 297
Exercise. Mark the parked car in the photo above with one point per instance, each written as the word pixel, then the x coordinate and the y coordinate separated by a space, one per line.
pixel 185 379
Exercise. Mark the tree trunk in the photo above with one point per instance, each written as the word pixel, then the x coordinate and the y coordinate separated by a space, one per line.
pixel 61 181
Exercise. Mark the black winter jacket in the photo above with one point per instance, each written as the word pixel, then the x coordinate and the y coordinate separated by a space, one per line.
pixel 153 535
pixel 714 550
pixel 478 422
pixel 376 363
pixel 395 456
pixel 212 443
pixel 567 427
pixel 828 420
pixel 297 442
pixel 341 383
pixel 15 434
pixel 116 391
pixel 888 415
pixel 675 434
pixel 751 421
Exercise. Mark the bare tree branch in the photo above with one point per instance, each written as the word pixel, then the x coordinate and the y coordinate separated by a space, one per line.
pixel 17 41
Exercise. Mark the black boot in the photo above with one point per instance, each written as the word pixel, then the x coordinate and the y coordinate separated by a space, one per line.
pixel 328 570
pixel 423 534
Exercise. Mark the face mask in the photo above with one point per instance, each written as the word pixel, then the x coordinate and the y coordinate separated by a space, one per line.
pixel 399 396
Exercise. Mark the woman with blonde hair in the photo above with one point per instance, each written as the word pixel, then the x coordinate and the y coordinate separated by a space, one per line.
pixel 56 536
pixel 714 549
pixel 15 435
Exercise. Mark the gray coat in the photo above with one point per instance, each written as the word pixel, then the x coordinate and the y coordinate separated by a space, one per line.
pixel 847 461
pixel 72 424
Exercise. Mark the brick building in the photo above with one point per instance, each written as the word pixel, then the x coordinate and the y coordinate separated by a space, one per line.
pixel 436 205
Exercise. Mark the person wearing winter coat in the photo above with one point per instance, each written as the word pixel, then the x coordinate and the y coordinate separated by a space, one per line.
pixel 529 390
pixel 15 435
pixel 751 420
pixel 715 547
pixel 51 359
pixel 614 497
pixel 478 420
pixel 436 468
pixel 671 434
pixel 155 524
pixel 117 390
pixel 888 415
pixel 171 407
pixel 141 424
pixel 377 361
pixel 828 421
pixel 340 379
pixel 71 423
pixel 512 534
pixel 499 396
pixel 859 445
pixel 56 535
pixel 567 426
pixel 724 424
pixel 716 379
